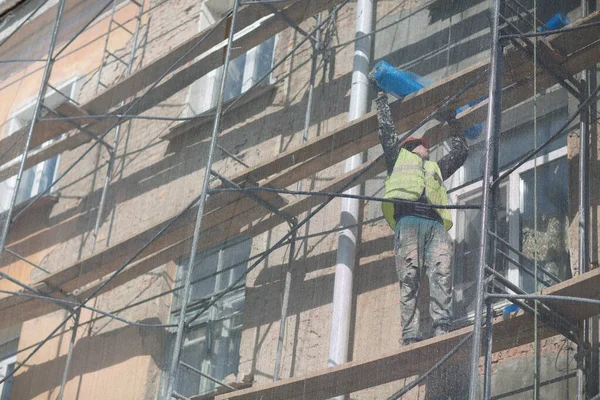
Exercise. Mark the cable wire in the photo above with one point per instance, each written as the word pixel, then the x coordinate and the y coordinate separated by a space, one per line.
pixel 250 189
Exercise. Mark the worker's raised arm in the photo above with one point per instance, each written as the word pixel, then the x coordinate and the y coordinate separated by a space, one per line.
pixel 459 149
pixel 387 132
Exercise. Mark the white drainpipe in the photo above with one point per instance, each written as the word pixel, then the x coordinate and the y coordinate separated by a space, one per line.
pixel 344 269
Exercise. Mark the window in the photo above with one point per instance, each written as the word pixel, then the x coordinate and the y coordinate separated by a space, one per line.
pixel 467 234
pixel 515 211
pixel 212 343
pixel 243 71
pixel 7 365
pixel 35 179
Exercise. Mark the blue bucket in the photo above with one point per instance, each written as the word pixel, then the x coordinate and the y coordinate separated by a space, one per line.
pixel 397 82
pixel 473 132
pixel 558 21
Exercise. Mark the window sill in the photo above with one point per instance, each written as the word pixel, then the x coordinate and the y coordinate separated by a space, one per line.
pixel 208 116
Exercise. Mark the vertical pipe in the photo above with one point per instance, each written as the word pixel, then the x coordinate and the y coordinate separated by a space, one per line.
pixel 63 383
pixel 284 305
pixel 583 223
pixel 106 46
pixel 36 113
pixel 112 152
pixel 489 338
pixel 211 152
pixel 584 201
pixel 344 269
pixel 311 84
pixel 492 134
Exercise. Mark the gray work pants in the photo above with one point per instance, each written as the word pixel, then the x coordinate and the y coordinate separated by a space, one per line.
pixel 422 247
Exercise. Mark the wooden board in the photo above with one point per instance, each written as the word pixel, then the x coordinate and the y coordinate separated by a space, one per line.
pixel 208 116
pixel 184 53
pixel 173 246
pixel 298 11
pixel 42 132
pixel 417 358
pixel 37 156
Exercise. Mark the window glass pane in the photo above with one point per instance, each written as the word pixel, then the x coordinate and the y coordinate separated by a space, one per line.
pixel 35 179
pixel 7 366
pixel 466 251
pixel 515 143
pixel 235 78
pixel 551 235
pixel 193 353
pixel 212 345
pixel 8 384
pixel 243 71
pixel 264 58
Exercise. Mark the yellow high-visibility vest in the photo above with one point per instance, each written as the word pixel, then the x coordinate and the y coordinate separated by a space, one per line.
pixel 409 178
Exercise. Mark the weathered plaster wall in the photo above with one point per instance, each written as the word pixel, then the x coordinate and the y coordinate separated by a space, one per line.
pixel 155 179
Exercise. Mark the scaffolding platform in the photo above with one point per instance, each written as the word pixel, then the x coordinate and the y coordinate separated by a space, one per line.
pixel 417 358
pixel 227 215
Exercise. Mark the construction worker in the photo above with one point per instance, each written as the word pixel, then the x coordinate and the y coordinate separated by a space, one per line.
pixel 421 241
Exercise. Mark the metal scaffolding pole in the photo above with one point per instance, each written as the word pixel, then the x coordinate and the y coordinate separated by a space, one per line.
pixel 284 304
pixel 182 325
pixel 587 379
pixel 36 113
pixel 112 152
pixel 489 331
pixel 492 135
pixel 65 376
pixel 583 226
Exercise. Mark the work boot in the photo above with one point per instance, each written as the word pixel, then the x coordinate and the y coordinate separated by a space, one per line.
pixel 441 330
pixel 409 341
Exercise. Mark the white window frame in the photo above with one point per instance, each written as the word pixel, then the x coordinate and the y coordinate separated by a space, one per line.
pixel 8 347
pixel 215 315
pixel 4 364
pixel 210 12
pixel 21 118
pixel 514 203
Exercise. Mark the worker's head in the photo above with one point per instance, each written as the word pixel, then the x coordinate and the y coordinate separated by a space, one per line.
pixel 417 146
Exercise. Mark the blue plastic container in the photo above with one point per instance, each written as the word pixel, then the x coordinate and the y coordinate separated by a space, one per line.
pixel 558 21
pixel 510 309
pixel 395 81
pixel 473 132
pixel 402 83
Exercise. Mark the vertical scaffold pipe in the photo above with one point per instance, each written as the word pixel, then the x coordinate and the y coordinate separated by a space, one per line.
pixel 65 376
pixel 491 140
pixel 36 114
pixel 583 362
pixel 344 269
pixel 211 152
pixel 113 152
pixel 284 306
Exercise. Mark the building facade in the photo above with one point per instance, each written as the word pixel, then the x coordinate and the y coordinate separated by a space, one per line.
pixel 157 167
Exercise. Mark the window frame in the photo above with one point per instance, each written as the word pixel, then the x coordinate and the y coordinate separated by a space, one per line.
pixel 216 324
pixel 4 366
pixel 514 203
pixel 208 83
pixel 17 121
pixel 8 347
